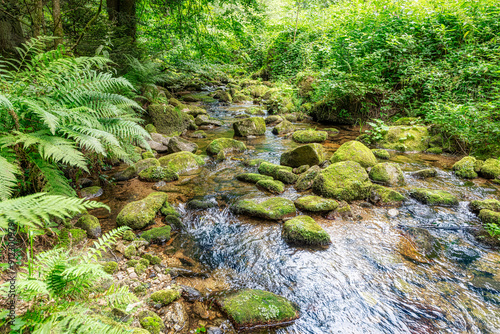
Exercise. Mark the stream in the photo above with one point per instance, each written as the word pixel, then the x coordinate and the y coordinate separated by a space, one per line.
pixel 363 282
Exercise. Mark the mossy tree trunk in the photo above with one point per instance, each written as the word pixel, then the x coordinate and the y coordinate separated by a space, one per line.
pixel 58 27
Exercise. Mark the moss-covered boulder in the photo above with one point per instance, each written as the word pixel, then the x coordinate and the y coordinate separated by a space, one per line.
pixel 177 144
pixel 223 95
pixel 140 214
pixel 165 297
pixel 309 154
pixel 157 235
pixel 273 186
pixel 301 169
pixel 253 126
pixel 225 145
pixel 250 308
pixel 158 173
pixel 274 208
pixel 345 180
pixel 130 252
pixel 252 177
pixel 283 127
pixel 205 120
pixel 491 169
pixel 90 224
pixel 126 174
pixel 167 209
pixel 434 197
pixel 354 151
pixel 150 128
pixel 487 204
pixel 151 322
pixel 309 136
pixel 148 155
pixel 286 176
pixel 91 192
pixel 145 164
pixel 381 154
pixel 256 91
pixel 273 119
pixel 110 267
pixel 406 138
pixel 306 179
pixel 303 230
pixel 425 173
pixel 167 119
pixel 434 150
pixel 316 204
pixel 128 235
pixel 267 168
pixel 466 168
pixel 489 217
pixel 181 162
pixel 388 174
pixel 381 195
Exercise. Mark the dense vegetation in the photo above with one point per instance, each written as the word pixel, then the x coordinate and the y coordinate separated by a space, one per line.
pixel 76 78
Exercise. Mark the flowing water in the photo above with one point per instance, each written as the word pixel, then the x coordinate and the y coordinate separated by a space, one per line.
pixel 364 282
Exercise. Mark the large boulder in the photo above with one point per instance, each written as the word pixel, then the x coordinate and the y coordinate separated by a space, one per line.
pixel 126 174
pixel 283 127
pixel 90 224
pixel 205 120
pixel 270 169
pixel 274 208
pixel 388 174
pixel 140 214
pixel 167 119
pixel 145 164
pixel 309 136
pixel 158 173
pixel 466 168
pixel 158 147
pixel 303 230
pixel 181 162
pixel 250 308
pixel 354 151
pixel 434 197
pixel 406 138
pixel 489 217
pixel 310 154
pixel 306 179
pixel 491 169
pixel 381 195
pixel 225 145
pixel 488 204
pixel 345 180
pixel 253 126
pixel 273 186
pixel 316 204
pixel 177 144
pixel 381 154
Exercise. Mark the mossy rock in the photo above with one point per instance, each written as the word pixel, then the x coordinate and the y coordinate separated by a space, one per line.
pixel 174 221
pixel 157 235
pixel 301 169
pixel 238 98
pixel 128 235
pixel 434 150
pixel 199 134
pixel 273 186
pixel 197 204
pixel 345 180
pixel 167 209
pixel 354 151
pixel 487 204
pixel 408 121
pixel 151 322
pixel 253 126
pixel 77 235
pixel 273 119
pixel 406 138
pixel 309 154
pixel 286 176
pixel 381 154
pixel 148 155
pixel 223 95
pixel 181 162
pixel 253 162
pixel 225 145
pixel 91 192
pixel 90 224
pixel 145 164
pixel 309 136
pixel 169 119
pixel 178 144
pixel 152 259
pixel 305 180
pixel 385 196
pixel 425 173
pixel 132 263
pixel 491 169
pixel 274 208
pixel 140 268
pixel 267 168
pixel 257 91
pixel 303 230
pixel 155 174
pixel 389 174
pixel 489 217
pixel 466 168
pixel 140 214
pixel 198 97
pixel 283 127
pixel 256 111
pixel 130 252
pixel 252 177
pixel 434 197
pixel 144 262
pixel 165 297
pixel 150 128
pixel 126 174
pixel 316 204
pixel 250 308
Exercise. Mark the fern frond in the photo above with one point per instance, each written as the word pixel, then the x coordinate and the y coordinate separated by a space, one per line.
pixel 5 102
pixel 31 288
pixel 105 241
pixel 8 179
pixel 119 295
pixel 55 181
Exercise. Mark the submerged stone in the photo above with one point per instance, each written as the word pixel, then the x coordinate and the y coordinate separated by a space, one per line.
pixel 157 235
pixel 466 168
pixel 434 197
pixel 139 214
pixel 309 136
pixel 273 186
pixel 389 174
pixel 425 173
pixel 250 308
pixel 253 126
pixel 252 177
pixel 310 154
pixel 303 230
pixel 354 151
pixel 406 138
pixel 316 204
pixel 381 154
pixel 274 208
pixel 225 145
pixel 305 181
pixel 181 162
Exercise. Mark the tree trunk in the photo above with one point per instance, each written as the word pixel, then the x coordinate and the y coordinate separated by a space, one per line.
pixel 38 18
pixel 11 31
pixel 122 13
pixel 58 28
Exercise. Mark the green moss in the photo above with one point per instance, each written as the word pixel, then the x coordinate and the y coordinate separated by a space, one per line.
pixel 425 173
pixel 310 136
pixel 253 162
pixel 253 126
pixel 91 192
pixel 151 322
pixel 488 204
pixel 139 269
pixel 385 196
pixel 140 290
pixel 491 169
pixel 257 90
pixel 126 174
pixel 165 297
pixel 181 162
pixel 309 154
pixel 154 174
pixel 247 308
pixel 89 224
pixel 174 221
pixel 77 235
pixel 406 138
pixel 132 263
pixel 381 154
pixel 252 177
pixel 144 262
pixel 168 210
pixel 128 235
pixel 489 217
pixel 157 234
pixel 223 95
pixel 148 155
pixel 301 169
pixel 150 128
pixel 283 127
pixel 387 173
pixel 269 169
pixel 273 119
pixel 303 230
pixel 225 145
pixel 435 150
pixel 273 186
pixel 152 259
pixel 305 181
pixel 434 197
pixel 200 134
pixel 130 252
pixel 465 168
pixel 286 177
pixel 146 163
pixel 256 111
pixel 110 267
pixel 169 119
pixel 345 180
pixel 354 151
pixel 139 214
pixel 316 204
pixel 274 208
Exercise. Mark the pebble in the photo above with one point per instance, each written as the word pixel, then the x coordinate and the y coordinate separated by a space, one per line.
pixel 133 276
pixel 393 212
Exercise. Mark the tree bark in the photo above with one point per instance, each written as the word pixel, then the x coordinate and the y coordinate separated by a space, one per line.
pixel 38 18
pixel 122 13
pixel 11 31
pixel 58 28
